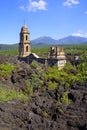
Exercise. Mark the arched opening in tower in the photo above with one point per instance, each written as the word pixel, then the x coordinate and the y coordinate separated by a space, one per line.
pixel 26 48
pixel 26 37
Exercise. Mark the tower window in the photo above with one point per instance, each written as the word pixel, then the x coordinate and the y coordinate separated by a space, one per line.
pixel 26 48
pixel 26 37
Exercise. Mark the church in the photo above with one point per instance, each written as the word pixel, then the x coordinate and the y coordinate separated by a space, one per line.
pixel 56 54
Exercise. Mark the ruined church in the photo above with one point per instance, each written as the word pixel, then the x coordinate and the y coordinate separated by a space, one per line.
pixel 56 54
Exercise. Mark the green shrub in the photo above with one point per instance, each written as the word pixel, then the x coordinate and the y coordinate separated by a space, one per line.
pixel 52 85
pixel 34 65
pixel 36 82
pixel 29 88
pixel 69 68
pixel 65 99
pixel 82 71
pixel 5 70
pixel 22 96
pixel 6 95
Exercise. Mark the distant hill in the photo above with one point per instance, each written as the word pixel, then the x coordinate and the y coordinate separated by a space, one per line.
pixel 84 43
pixel 41 41
pixel 72 40
pixel 67 40
pixel 8 46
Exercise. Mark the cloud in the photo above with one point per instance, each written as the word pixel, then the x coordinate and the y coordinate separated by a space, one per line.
pixel 79 33
pixel 35 5
pixel 85 12
pixel 69 3
pixel 22 7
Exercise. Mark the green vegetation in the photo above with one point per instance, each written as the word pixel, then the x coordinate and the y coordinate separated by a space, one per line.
pixel 22 96
pixel 34 65
pixel 65 99
pixel 82 72
pixel 8 47
pixel 5 70
pixel 47 78
pixel 56 77
pixel 35 82
pixel 7 95
pixel 52 85
pixel 75 49
pixel 41 51
pixel 29 88
pixel 65 77
pixel 8 52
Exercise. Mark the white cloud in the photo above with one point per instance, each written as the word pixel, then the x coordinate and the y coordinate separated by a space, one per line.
pixel 22 7
pixel 85 12
pixel 69 3
pixel 79 33
pixel 35 5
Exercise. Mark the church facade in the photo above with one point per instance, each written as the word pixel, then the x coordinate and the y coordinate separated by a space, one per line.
pixel 56 54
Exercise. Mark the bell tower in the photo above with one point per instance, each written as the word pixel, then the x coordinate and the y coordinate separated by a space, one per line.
pixel 24 45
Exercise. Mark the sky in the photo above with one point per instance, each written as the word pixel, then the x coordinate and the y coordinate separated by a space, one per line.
pixel 54 18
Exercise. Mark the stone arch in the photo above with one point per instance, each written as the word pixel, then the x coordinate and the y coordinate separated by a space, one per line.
pixel 26 37
pixel 27 48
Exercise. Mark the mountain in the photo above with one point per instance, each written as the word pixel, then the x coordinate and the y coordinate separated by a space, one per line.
pixel 72 40
pixel 67 40
pixel 43 41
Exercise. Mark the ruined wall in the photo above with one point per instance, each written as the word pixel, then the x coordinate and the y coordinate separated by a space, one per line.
pixel 47 62
pixel 56 52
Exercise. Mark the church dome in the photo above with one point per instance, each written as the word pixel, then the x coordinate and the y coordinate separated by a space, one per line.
pixel 24 29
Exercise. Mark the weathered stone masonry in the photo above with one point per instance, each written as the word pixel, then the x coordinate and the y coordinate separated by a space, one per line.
pixel 24 45
pixel 56 55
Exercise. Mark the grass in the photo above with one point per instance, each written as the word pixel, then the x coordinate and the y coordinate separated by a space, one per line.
pixel 7 95
pixel 5 70
pixel 41 51
pixel 64 99
pixel 52 85
pixel 9 52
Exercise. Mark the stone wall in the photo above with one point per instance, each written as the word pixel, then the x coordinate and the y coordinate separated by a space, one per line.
pixel 47 62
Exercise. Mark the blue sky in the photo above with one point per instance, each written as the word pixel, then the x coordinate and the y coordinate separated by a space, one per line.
pixel 54 18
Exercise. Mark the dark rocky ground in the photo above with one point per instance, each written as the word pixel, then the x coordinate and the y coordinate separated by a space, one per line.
pixel 42 111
